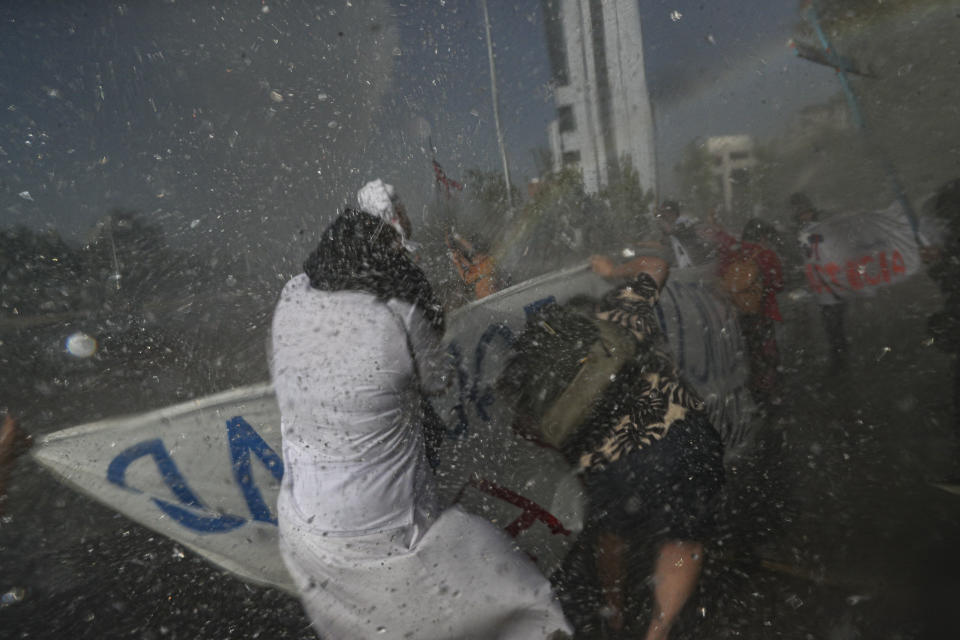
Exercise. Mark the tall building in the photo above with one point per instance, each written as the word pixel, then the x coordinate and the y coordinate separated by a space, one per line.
pixel 732 162
pixel 603 108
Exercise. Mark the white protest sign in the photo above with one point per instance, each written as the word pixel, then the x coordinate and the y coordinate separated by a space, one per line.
pixel 856 254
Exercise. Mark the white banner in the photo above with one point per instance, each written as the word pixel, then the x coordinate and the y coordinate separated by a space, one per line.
pixel 206 473
pixel 856 254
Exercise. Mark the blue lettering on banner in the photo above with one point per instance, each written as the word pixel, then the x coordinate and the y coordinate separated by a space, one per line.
pixel 463 396
pixel 193 514
pixel 703 351
pixel 483 398
pixel 244 441
pixel 537 304
pixel 116 473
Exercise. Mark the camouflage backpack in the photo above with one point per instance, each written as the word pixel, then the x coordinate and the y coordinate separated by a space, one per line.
pixel 563 362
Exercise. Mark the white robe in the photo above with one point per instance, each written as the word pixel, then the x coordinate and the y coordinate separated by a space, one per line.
pixel 360 529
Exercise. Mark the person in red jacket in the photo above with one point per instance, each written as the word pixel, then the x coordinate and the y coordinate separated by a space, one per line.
pixel 751 271
pixel 14 441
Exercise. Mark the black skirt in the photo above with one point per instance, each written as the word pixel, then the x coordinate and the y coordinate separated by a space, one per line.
pixel 669 489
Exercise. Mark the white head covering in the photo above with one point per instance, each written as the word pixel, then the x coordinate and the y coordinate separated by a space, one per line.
pixel 377 198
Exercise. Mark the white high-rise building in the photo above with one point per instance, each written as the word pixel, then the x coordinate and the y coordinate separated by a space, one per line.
pixel 603 108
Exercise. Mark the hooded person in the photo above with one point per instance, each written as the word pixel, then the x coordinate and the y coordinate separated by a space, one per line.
pixel 355 350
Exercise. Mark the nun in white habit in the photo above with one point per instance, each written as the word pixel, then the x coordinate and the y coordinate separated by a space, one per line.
pixel 356 347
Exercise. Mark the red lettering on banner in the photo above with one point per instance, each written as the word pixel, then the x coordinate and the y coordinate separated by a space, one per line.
pixel 832 270
pixel 853 274
pixel 814 281
pixel 871 280
pixel 857 272
pixel 896 261
pixel 884 267
pixel 531 510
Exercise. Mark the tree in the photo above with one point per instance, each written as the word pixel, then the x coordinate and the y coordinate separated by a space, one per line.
pixel 549 230
pixel 628 207
pixel 488 190
pixel 700 188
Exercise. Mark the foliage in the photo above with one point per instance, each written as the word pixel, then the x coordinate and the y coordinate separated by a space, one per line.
pixel 488 189
pixel 628 207
pixel 700 189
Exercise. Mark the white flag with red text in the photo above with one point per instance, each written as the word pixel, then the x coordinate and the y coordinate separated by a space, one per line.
pixel 856 254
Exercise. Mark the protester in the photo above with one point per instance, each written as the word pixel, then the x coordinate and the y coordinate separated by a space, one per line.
pixel 13 442
pixel 651 462
pixel 752 274
pixel 833 308
pixel 682 234
pixel 356 348
pixel 475 266
pixel 944 269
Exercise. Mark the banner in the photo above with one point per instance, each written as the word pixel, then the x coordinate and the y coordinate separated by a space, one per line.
pixel 857 254
pixel 206 473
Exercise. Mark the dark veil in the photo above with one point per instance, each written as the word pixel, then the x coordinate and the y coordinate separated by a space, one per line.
pixel 360 252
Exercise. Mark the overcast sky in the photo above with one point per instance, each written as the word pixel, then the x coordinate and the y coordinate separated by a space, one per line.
pixel 244 120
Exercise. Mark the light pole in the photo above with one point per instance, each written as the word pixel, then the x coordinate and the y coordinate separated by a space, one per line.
pixel 496 108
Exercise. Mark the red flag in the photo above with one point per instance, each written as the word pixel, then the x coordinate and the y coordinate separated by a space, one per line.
pixel 444 180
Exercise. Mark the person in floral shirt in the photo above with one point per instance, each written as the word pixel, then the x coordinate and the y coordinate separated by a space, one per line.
pixel 652 463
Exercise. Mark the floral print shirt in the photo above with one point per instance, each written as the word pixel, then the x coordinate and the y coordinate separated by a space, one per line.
pixel 647 398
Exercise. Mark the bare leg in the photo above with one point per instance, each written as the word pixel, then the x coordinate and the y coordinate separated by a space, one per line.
pixel 675 575
pixel 610 570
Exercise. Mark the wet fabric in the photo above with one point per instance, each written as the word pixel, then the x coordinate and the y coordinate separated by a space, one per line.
pixel 360 531
pixel 664 491
pixel 463 580
pixel 769 264
pixel 349 392
pixel 360 252
pixel 854 254
pixel 647 398
pixel 652 461
pixel 377 198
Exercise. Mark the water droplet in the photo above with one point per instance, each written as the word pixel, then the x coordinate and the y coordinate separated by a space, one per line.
pixel 13 596
pixel 81 345
pixel 265 9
